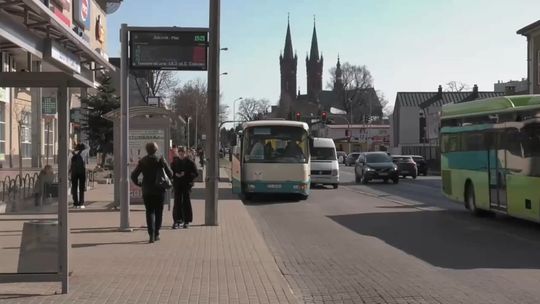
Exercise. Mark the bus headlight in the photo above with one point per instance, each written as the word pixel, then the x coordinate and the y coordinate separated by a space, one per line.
pixel 300 187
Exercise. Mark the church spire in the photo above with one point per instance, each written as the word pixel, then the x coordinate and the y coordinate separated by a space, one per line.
pixel 288 43
pixel 314 53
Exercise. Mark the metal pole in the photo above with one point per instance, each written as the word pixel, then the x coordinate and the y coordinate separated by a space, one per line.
pixel 48 140
pixel 124 127
pixel 213 103
pixel 196 123
pixel 188 145
pixel 63 223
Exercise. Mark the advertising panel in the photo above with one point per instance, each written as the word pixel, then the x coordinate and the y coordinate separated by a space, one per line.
pixel 137 142
pixel 81 13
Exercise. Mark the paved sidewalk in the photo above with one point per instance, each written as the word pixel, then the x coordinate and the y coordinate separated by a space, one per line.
pixel 229 263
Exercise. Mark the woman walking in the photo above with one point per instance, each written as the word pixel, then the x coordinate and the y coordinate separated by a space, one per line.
pixel 185 172
pixel 153 194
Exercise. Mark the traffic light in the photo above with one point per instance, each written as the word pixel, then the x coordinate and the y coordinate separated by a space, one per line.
pixel 298 116
pixel 324 116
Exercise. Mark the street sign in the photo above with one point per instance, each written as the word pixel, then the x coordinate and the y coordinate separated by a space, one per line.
pixel 48 106
pixel 169 50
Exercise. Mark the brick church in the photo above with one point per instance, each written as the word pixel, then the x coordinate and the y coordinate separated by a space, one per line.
pixel 317 100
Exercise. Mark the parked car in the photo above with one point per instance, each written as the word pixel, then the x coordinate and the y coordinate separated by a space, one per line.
pixel 421 164
pixel 324 163
pixel 341 156
pixel 406 166
pixel 375 165
pixel 351 158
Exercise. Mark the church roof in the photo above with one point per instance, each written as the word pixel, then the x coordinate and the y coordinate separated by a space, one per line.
pixel 314 53
pixel 288 51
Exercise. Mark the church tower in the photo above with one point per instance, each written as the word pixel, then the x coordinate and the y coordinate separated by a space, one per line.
pixel 314 67
pixel 338 83
pixel 288 63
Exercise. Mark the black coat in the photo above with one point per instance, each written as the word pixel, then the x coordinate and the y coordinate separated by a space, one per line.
pixel 149 166
pixel 187 166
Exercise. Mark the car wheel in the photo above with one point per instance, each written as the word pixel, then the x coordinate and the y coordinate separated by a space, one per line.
pixel 248 196
pixel 335 186
pixel 385 180
pixel 365 180
pixel 414 177
pixel 303 197
pixel 356 178
pixel 396 180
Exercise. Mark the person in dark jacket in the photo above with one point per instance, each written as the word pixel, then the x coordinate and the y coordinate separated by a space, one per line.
pixel 153 194
pixel 77 169
pixel 185 172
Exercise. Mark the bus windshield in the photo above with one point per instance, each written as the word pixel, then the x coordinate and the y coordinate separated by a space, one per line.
pixel 276 144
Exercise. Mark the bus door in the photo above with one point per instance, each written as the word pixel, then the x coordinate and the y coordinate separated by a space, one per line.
pixel 497 168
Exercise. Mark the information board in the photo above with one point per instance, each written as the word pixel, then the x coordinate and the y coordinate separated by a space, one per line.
pixel 169 50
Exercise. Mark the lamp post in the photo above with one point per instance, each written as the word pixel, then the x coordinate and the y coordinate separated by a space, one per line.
pixel 234 110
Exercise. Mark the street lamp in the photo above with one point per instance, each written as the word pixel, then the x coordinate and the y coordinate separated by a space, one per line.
pixel 223 74
pixel 224 49
pixel 234 110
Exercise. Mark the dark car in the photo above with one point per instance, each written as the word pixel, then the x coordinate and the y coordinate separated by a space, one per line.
pixel 351 158
pixel 421 164
pixel 375 165
pixel 342 156
pixel 406 166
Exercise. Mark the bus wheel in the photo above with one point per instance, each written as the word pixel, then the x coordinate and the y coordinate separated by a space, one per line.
pixel 248 196
pixel 470 200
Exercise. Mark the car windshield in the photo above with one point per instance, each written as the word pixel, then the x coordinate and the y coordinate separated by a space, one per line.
pixel 378 158
pixel 418 159
pixel 354 155
pixel 318 153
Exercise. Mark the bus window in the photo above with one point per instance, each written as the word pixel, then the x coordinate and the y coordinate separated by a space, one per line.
pixel 531 140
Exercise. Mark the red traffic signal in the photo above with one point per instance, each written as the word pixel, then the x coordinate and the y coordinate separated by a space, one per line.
pixel 324 116
pixel 298 116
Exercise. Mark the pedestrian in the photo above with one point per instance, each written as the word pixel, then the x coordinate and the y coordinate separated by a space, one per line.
pixel 201 157
pixel 78 176
pixel 185 172
pixel 153 194
pixel 172 153
pixel 43 186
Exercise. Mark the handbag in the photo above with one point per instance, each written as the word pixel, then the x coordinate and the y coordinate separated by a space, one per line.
pixel 162 180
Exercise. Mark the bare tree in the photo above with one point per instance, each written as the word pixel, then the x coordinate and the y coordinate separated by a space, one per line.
pixel 457 86
pixel 251 108
pixel 353 77
pixel 160 83
pixel 385 104
pixel 190 100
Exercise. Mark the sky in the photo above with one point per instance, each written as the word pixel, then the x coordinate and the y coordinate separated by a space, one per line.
pixel 412 45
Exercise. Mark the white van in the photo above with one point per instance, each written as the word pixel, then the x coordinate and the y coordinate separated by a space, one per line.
pixel 324 163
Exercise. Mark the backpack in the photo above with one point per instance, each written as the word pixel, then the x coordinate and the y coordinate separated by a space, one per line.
pixel 77 164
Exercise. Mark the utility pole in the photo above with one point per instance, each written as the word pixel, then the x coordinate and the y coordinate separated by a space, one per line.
pixel 212 170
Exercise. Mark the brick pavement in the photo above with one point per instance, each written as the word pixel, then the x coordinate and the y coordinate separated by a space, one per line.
pixel 229 263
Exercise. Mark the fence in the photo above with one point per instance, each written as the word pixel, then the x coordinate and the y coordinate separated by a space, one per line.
pixel 23 188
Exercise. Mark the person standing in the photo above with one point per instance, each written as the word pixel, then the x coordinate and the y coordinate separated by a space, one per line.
pixel 185 172
pixel 78 176
pixel 153 194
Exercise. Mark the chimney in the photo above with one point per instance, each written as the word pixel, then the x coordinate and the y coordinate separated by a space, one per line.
pixel 475 91
pixel 439 92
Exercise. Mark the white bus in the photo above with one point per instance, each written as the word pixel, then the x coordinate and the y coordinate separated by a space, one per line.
pixel 272 156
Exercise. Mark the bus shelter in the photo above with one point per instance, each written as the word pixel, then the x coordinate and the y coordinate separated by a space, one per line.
pixel 146 124
pixel 40 51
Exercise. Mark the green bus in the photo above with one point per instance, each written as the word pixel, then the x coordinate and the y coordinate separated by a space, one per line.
pixel 490 155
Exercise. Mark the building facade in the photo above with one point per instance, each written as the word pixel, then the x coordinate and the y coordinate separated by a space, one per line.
pixel 65 39
pixel 415 122
pixel 532 33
